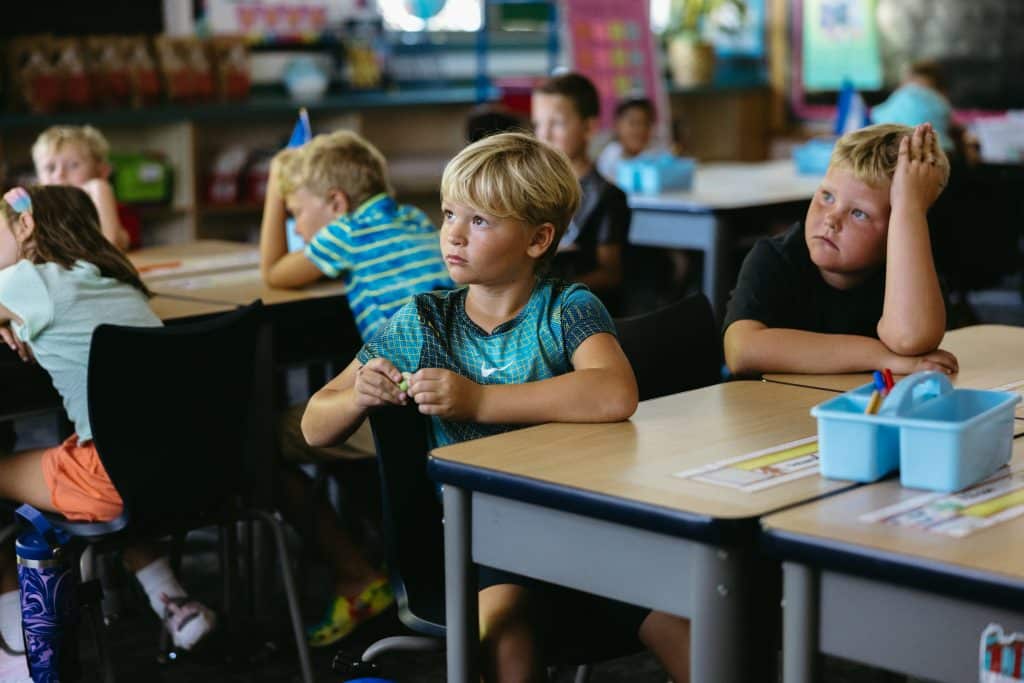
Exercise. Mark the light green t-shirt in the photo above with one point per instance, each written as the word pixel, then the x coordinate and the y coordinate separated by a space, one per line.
pixel 59 309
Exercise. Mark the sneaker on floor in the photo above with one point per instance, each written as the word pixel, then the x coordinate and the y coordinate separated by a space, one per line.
pixel 13 668
pixel 345 613
pixel 187 620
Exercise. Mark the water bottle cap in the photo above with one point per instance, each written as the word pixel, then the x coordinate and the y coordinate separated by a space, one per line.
pixel 32 546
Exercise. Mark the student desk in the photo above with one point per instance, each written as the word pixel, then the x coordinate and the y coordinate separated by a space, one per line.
pixel 311 323
pixel 989 356
pixel 700 218
pixel 907 600
pixel 595 507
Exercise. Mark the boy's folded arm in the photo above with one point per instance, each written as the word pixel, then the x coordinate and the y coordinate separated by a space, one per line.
pixel 103 198
pixel 753 348
pixel 914 314
pixel 278 267
pixel 601 388
pixel 332 413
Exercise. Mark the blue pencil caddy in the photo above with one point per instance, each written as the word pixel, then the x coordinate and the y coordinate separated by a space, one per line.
pixel 654 173
pixel 941 438
pixel 853 445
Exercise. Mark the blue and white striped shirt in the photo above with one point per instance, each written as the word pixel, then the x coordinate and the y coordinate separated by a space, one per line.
pixel 385 253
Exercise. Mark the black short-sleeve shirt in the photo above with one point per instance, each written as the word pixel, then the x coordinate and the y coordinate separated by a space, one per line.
pixel 780 286
pixel 603 218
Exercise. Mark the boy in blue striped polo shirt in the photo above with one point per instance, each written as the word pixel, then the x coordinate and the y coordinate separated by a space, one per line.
pixel 506 350
pixel 336 187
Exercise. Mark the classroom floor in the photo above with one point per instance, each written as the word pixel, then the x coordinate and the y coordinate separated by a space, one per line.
pixel 262 652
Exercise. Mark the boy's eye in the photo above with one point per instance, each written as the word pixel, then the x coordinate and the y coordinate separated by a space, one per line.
pixel 448 215
pixel 477 220
pixel 857 213
pixel 826 195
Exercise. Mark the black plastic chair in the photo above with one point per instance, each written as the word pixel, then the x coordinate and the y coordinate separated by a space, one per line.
pixel 173 419
pixel 674 348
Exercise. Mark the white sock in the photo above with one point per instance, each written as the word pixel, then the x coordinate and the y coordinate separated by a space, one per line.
pixel 158 581
pixel 10 620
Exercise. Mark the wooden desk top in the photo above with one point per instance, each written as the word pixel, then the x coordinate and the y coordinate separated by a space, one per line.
pixel 217 272
pixel 635 460
pixel 239 287
pixel 835 521
pixel 719 186
pixel 989 355
pixel 193 258
pixel 169 308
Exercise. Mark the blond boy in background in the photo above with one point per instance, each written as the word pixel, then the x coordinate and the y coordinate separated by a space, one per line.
pixel 79 156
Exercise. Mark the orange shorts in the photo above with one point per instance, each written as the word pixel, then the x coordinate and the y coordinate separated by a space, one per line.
pixel 79 486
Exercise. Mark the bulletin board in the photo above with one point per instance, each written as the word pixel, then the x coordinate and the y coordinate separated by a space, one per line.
pixel 977 43
pixel 612 44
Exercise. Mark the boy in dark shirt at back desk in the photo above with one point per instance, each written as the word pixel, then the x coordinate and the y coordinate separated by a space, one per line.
pixel 853 289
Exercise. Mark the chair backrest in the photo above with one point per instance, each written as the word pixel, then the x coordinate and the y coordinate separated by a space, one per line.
pixel 412 510
pixel 675 348
pixel 170 409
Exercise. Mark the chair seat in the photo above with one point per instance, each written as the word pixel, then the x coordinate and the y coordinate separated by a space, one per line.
pixel 87 529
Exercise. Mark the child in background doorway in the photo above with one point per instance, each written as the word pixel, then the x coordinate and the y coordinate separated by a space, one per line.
pixel 634 133
pixel 78 155
pixel 59 279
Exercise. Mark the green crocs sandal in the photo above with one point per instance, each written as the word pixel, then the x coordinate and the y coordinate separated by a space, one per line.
pixel 346 613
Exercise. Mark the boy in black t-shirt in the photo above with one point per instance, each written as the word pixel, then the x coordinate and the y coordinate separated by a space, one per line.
pixel 564 114
pixel 855 289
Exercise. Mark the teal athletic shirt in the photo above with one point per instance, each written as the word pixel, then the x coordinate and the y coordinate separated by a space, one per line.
pixel 385 253
pixel 433 331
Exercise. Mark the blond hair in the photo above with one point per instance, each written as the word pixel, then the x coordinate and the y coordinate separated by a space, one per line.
pixel 514 175
pixel 285 169
pixel 871 153
pixel 54 137
pixel 342 161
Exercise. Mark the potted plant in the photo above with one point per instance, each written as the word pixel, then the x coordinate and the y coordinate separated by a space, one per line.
pixel 691 58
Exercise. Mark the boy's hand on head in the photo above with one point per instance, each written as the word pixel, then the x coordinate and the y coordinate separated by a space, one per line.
pixel 939 360
pixel 377 384
pixel 918 180
pixel 15 344
pixel 444 393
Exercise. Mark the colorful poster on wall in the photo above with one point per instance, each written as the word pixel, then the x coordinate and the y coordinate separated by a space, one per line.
pixel 840 43
pixel 612 44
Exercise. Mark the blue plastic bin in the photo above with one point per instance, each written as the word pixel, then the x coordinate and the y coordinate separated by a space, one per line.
pixel 851 444
pixel 956 439
pixel 813 157
pixel 940 438
pixel 654 173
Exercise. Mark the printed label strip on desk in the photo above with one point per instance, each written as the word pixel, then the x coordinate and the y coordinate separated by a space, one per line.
pixel 761 469
pixel 958 514
pixel 232 277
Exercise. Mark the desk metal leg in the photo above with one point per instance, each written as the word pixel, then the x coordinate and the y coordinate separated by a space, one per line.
pixel 719 618
pixel 799 623
pixel 460 586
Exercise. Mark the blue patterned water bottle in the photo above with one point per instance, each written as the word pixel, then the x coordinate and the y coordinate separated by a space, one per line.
pixel 49 599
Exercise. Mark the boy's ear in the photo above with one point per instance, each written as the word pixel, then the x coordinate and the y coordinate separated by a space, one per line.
pixel 592 125
pixel 543 236
pixel 104 170
pixel 338 201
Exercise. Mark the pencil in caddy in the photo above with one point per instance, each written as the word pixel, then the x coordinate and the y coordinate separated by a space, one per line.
pixel 941 438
